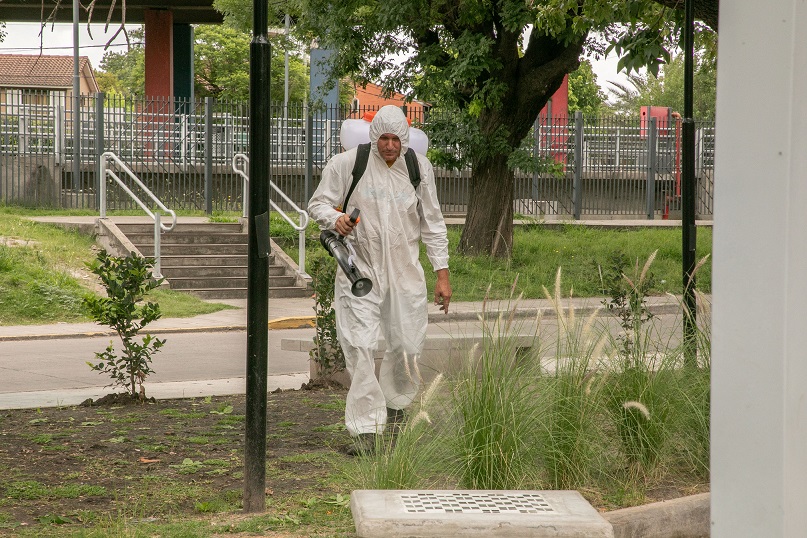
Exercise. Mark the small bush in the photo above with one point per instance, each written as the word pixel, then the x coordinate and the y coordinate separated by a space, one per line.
pixel 327 352
pixel 126 280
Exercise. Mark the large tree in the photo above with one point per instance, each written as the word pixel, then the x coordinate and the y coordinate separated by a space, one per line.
pixel 497 60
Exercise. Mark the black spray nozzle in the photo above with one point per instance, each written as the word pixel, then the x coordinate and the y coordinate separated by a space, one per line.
pixel 336 247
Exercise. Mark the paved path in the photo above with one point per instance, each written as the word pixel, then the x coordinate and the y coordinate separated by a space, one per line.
pixel 45 365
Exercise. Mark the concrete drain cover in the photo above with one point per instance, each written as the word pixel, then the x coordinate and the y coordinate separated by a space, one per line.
pixel 475 503
pixel 444 513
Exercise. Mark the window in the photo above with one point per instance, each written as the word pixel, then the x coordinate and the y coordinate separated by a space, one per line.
pixel 34 97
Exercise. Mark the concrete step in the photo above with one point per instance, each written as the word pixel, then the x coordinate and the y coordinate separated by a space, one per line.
pixel 184 238
pixel 190 283
pixel 212 227
pixel 195 282
pixel 216 271
pixel 210 271
pixel 241 293
pixel 196 249
pixel 178 260
pixel 209 260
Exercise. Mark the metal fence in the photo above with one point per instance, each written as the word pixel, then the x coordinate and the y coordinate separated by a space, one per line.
pixel 183 150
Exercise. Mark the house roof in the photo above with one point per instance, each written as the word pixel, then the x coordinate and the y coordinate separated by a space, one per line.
pixel 40 71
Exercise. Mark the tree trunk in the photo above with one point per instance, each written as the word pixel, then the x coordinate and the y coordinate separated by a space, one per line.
pixel 489 221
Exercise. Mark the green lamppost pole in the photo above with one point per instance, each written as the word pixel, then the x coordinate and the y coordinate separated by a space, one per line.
pixel 688 190
pixel 258 262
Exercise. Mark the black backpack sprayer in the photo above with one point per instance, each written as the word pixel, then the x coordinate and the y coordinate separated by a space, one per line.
pixel 337 247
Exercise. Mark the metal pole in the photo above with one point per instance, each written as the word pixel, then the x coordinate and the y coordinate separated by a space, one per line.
pixel 209 155
pixel 651 170
pixel 260 61
pixel 99 143
pixel 286 71
pixel 688 192
pixel 157 272
pixel 76 180
pixel 309 152
pixel 577 185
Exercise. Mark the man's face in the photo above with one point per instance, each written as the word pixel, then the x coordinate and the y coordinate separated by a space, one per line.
pixel 389 146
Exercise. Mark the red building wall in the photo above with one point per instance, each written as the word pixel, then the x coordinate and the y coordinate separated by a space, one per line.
pixel 370 98
pixel 558 105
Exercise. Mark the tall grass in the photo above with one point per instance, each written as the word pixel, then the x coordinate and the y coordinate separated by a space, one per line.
pixel 639 376
pixel 496 403
pixel 601 403
pixel 571 436
pixel 405 460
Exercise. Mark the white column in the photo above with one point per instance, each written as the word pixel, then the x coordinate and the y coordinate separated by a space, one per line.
pixel 759 360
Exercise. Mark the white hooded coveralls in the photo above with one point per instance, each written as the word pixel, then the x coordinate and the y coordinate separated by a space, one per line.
pixel 394 218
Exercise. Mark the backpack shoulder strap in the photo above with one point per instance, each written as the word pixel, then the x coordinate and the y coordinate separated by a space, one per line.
pixel 362 156
pixel 412 167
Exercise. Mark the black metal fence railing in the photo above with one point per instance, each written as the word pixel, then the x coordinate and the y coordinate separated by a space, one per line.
pixel 183 150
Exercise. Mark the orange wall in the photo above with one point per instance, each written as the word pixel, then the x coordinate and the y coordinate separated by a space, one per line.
pixel 370 98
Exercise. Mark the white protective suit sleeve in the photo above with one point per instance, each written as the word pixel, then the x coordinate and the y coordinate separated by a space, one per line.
pixel 432 225
pixel 331 192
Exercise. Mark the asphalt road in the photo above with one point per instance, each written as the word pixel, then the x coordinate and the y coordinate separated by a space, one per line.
pixel 60 363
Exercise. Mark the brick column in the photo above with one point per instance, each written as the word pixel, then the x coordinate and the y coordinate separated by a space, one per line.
pixel 159 53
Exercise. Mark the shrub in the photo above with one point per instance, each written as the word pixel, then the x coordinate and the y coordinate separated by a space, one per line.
pixel 126 280
pixel 327 352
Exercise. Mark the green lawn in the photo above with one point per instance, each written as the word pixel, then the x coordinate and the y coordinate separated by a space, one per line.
pixel 585 255
pixel 43 276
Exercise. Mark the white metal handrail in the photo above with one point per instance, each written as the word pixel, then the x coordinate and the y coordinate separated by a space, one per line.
pixel 158 225
pixel 240 163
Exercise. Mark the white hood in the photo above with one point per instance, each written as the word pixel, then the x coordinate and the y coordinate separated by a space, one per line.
pixel 389 120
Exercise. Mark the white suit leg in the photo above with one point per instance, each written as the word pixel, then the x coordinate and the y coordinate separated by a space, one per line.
pixel 405 332
pixel 358 328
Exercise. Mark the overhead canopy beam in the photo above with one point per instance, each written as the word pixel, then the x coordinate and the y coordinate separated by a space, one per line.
pixel 185 11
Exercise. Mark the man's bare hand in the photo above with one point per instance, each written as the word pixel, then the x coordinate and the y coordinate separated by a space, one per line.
pixel 442 290
pixel 344 225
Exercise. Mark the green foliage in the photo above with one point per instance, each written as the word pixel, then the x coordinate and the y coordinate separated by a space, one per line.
pixel 128 68
pixel 221 66
pixel 238 13
pixel 498 62
pixel 667 89
pixel 327 352
pixel 585 94
pixel 126 280
pixel 627 297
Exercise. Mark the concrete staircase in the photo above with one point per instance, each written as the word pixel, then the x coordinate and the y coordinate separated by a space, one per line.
pixel 210 260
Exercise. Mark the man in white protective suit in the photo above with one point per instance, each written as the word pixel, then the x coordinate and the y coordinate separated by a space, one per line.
pixel 394 217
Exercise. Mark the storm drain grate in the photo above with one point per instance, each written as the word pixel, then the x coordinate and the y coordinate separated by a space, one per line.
pixel 475 503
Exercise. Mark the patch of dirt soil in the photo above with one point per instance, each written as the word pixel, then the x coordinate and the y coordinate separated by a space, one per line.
pixel 119 458
pixel 52 458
